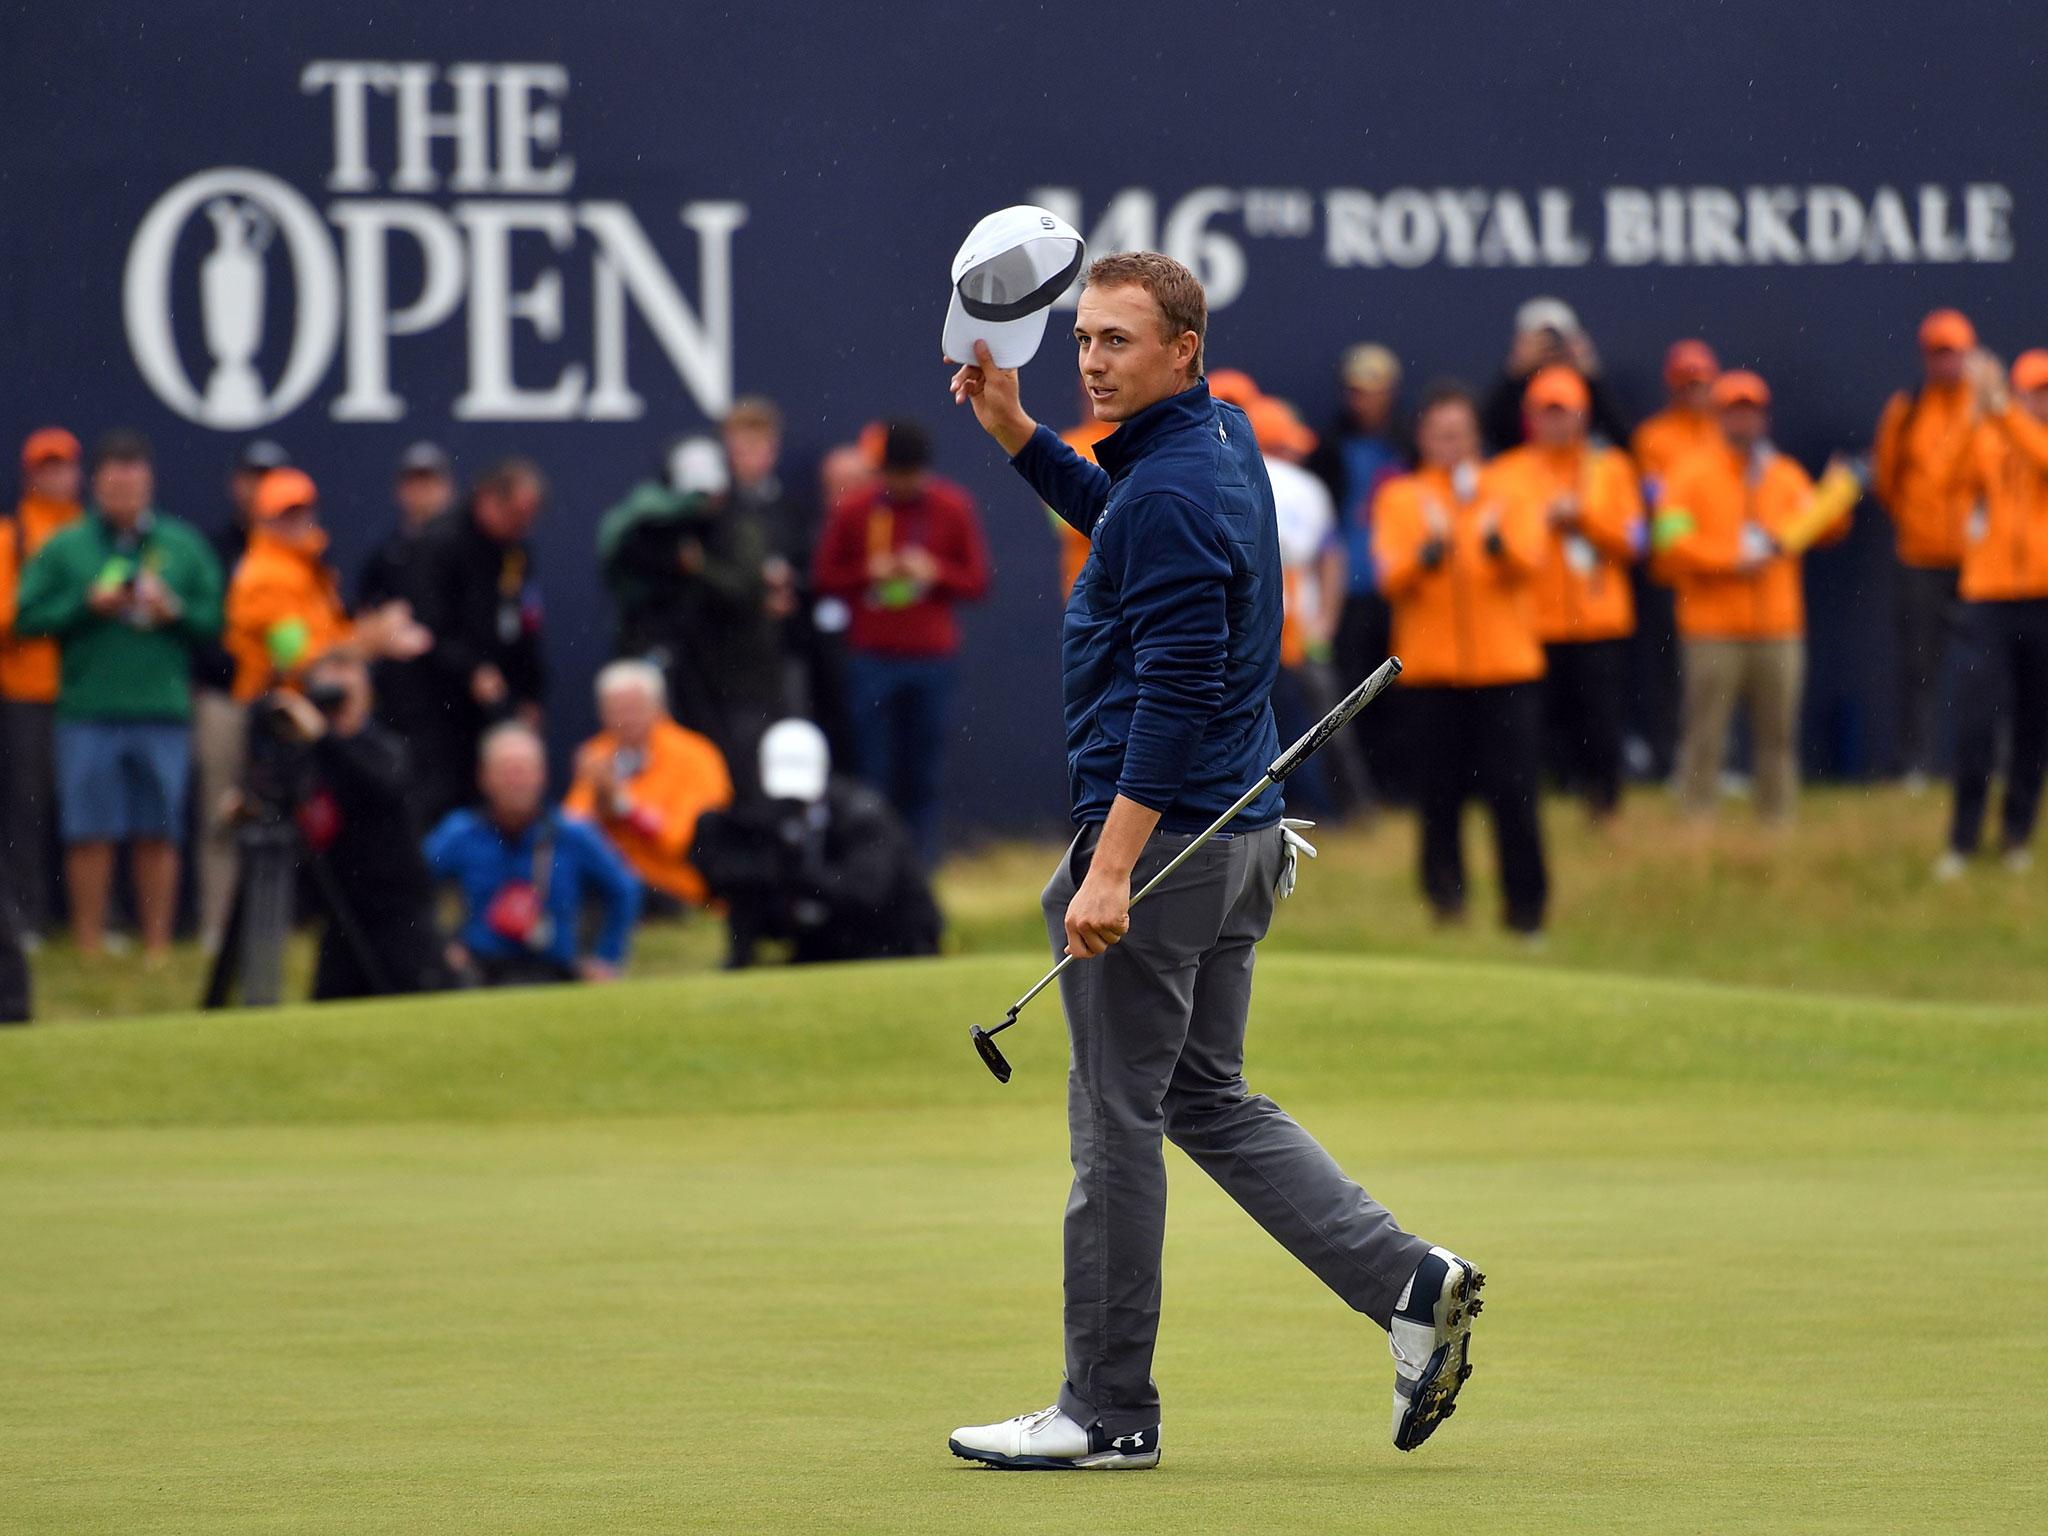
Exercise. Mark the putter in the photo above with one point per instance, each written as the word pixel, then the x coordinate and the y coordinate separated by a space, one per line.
pixel 1311 742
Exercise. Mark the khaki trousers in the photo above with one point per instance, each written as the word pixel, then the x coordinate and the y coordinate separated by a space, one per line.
pixel 1767 677
pixel 220 752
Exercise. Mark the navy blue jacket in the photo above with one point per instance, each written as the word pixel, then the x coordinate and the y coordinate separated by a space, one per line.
pixel 1172 636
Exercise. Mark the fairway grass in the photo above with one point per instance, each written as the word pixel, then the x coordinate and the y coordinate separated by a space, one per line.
pixel 734 1253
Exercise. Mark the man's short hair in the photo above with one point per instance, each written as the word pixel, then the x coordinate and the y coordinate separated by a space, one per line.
pixel 123 445
pixel 632 672
pixel 1176 290
pixel 505 473
pixel 755 411
pixel 906 445
pixel 1443 392
pixel 509 730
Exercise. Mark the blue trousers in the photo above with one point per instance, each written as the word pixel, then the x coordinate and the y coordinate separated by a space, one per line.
pixel 901 707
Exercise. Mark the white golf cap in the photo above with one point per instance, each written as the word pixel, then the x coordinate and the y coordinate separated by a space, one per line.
pixel 1006 276
pixel 795 761
pixel 1547 314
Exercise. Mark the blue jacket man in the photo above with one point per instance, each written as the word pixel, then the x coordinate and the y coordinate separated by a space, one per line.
pixel 526 871
pixel 1169 651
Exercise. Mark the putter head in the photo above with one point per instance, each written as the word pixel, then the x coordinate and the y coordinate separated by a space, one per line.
pixel 991 1056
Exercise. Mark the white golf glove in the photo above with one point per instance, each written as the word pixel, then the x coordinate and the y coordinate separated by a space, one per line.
pixel 1292 845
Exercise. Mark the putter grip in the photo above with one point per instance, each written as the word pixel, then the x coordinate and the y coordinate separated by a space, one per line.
pixel 1335 721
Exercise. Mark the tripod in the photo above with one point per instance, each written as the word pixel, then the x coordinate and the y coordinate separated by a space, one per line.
pixel 260 918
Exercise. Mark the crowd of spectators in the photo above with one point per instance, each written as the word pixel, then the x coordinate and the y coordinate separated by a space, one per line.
pixel 166 688
pixel 1575 602
pixel 1578 603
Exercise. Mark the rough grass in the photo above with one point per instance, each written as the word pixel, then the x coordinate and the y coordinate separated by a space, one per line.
pixel 733 1254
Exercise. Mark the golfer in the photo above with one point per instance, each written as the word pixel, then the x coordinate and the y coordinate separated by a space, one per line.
pixel 1170 644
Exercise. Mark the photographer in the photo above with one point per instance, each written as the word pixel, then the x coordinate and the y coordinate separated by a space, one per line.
pixel 344 781
pixel 644 780
pixel 525 872
pixel 815 859
pixel 1548 335
pixel 690 569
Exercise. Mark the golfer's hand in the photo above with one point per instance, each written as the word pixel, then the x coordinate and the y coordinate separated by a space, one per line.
pixel 1099 914
pixel 992 391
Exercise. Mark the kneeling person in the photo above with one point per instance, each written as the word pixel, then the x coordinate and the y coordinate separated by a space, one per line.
pixel 816 859
pixel 525 872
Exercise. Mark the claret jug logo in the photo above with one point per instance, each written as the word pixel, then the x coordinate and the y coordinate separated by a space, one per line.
pixel 248 253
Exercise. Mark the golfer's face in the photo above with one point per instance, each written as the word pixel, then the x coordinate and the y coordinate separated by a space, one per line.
pixel 1126 361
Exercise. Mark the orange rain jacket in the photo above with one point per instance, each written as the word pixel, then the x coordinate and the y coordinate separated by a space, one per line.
pixel 2005 555
pixel 1921 471
pixel 682 776
pixel 29 669
pixel 1582 592
pixel 284 609
pixel 1667 438
pixel 1471 622
pixel 1712 496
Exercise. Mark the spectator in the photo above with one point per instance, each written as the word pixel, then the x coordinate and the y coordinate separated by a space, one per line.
pixel 405 691
pixel 479 597
pixel 687 566
pixel 644 780
pixel 127 593
pixel 816 859
pixel 2003 643
pixel 28 683
pixel 424 491
pixel 1074 546
pixel 350 796
pixel 1312 570
pixel 1547 335
pixel 753 449
pixel 1725 533
pixel 1366 446
pixel 1921 473
pixel 526 873
pixel 903 554
pixel 284 606
pixel 1585 610
pixel 1458 555
pixel 1684 426
pixel 220 724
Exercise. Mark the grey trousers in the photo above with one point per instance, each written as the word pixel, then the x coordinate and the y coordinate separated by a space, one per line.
pixel 1157 1026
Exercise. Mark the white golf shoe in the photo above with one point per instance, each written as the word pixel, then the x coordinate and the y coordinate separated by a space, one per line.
pixel 1431 1337
pixel 1049 1441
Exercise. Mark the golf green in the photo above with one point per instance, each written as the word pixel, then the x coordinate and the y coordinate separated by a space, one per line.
pixel 734 1254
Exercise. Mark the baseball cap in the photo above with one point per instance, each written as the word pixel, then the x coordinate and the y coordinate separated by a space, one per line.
pixel 2030 369
pixel 424 458
pixel 1546 314
pixel 262 454
pixel 795 761
pixel 1371 366
pixel 696 467
pixel 1741 387
pixel 49 445
pixel 1233 386
pixel 1947 330
pixel 1277 428
pixel 281 491
pixel 1690 362
pixel 1006 275
pixel 1558 386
